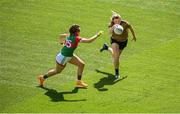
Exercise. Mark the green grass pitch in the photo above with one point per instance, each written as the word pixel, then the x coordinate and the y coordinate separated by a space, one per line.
pixel 29 32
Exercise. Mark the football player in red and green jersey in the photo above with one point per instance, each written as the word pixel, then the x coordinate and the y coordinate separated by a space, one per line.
pixel 67 55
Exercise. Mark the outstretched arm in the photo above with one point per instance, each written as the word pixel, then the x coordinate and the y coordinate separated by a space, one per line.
pixel 89 40
pixel 133 33
pixel 62 38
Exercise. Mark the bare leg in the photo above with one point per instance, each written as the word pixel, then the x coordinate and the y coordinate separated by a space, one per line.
pixel 78 62
pixel 50 73
pixel 56 70
pixel 115 48
pixel 115 52
pixel 111 51
pixel 120 51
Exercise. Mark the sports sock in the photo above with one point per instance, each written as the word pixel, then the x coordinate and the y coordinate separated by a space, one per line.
pixel 45 76
pixel 79 77
pixel 116 71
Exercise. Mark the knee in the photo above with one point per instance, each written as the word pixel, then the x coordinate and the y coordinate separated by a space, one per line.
pixel 59 70
pixel 82 65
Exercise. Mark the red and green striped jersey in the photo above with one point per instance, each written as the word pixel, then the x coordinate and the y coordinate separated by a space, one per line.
pixel 71 44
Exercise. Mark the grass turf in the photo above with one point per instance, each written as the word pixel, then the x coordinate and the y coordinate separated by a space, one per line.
pixel 28 36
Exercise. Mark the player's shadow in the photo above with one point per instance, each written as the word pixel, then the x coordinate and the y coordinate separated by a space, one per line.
pixel 59 96
pixel 108 80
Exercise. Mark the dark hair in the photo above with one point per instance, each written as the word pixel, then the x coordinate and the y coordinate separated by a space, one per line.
pixel 74 29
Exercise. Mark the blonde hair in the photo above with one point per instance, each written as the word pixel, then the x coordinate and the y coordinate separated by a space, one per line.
pixel 114 16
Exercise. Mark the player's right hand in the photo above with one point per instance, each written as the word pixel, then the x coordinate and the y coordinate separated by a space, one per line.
pixel 99 33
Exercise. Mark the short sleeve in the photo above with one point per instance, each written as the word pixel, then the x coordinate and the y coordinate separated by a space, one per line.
pixel 78 39
pixel 128 24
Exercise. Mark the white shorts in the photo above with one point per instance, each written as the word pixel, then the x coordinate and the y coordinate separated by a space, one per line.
pixel 61 59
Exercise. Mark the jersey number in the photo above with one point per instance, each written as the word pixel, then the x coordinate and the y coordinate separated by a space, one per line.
pixel 68 43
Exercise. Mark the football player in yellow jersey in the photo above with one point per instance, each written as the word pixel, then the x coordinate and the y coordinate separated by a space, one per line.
pixel 118 42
